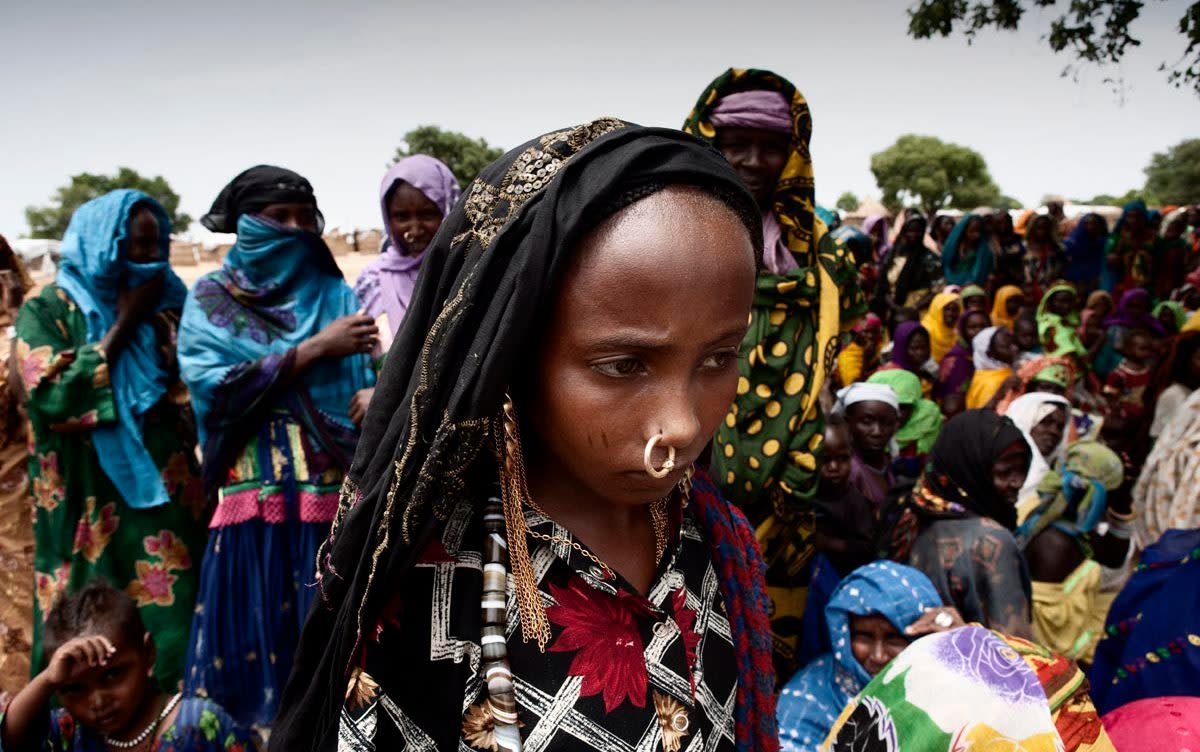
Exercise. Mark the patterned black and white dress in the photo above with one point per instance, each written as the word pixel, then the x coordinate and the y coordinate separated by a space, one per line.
pixel 622 672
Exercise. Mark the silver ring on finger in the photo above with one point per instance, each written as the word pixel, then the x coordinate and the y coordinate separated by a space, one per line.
pixel 943 619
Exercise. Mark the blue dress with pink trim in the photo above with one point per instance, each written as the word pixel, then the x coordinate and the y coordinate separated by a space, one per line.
pixel 255 584
pixel 277 441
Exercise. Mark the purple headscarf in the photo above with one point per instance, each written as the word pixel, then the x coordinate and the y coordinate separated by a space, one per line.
pixel 878 223
pixel 904 333
pixel 386 284
pixel 753 109
pixel 1122 316
pixel 769 111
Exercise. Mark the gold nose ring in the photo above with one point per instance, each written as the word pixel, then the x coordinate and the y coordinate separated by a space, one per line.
pixel 648 458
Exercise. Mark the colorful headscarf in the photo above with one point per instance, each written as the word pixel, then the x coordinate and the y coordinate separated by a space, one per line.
pixel 757 108
pixel 1059 335
pixel 962 265
pixel 1022 222
pixel 972 291
pixel 1123 318
pixel 386 284
pixel 91 272
pixel 811 701
pixel 941 336
pixel 1026 412
pixel 877 227
pixel 1177 311
pixel 277 288
pixel 962 689
pixel 905 332
pixel 794 324
pixel 1000 316
pixel 1074 497
pixel 925 421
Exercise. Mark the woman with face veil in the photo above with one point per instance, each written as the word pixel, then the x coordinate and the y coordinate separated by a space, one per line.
pixel 521 549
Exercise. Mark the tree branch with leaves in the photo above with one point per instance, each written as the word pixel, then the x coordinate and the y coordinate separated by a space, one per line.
pixel 1092 32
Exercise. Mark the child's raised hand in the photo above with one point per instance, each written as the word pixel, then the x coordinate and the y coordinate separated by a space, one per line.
pixel 76 656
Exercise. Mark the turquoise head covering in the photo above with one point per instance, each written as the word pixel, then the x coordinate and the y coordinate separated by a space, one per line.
pixel 278 287
pixel 966 266
pixel 810 703
pixel 92 268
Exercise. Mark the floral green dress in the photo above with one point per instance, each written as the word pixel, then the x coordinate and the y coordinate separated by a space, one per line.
pixel 82 526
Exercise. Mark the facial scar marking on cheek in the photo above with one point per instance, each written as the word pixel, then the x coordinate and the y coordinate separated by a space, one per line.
pixel 604 439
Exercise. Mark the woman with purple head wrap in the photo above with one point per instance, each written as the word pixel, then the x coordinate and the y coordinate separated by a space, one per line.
pixel 415 195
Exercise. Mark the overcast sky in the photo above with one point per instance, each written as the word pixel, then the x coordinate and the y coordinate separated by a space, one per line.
pixel 197 91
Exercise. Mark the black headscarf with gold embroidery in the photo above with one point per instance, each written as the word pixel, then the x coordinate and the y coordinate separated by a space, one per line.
pixel 487 279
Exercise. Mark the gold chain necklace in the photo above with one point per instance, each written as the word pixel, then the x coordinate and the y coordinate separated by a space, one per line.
pixel 658 521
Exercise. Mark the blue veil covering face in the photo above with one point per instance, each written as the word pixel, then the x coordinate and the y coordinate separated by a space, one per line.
pixel 812 700
pixel 962 272
pixel 279 286
pixel 91 271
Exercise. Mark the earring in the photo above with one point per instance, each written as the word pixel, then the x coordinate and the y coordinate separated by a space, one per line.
pixel 685 484
pixel 514 492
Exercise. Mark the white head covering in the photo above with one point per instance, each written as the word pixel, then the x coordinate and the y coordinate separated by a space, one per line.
pixel 1026 412
pixel 980 345
pixel 862 391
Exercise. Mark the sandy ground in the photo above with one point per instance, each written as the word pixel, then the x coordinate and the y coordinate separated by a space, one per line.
pixel 351 264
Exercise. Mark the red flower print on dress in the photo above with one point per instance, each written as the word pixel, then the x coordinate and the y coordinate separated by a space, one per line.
pixel 34 363
pixel 48 487
pixel 152 586
pixel 601 628
pixel 92 536
pixel 49 585
pixel 171 550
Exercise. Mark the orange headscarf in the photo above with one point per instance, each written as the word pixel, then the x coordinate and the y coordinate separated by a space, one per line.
pixel 1000 315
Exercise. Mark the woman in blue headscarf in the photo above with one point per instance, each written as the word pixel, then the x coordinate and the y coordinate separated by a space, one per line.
pixel 113 470
pixel 274 348
pixel 967 255
pixel 1084 250
pixel 872 616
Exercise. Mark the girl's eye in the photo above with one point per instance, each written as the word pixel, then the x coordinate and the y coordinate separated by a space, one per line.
pixel 621 368
pixel 720 360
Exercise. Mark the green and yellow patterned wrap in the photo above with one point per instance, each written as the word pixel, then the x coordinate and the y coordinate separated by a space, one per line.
pixel 766 451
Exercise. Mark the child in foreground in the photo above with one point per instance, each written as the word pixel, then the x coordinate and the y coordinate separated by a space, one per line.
pixel 101 667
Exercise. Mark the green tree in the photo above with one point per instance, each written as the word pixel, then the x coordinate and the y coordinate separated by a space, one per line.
pixel 1106 199
pixel 933 175
pixel 51 221
pixel 847 202
pixel 465 156
pixel 1092 32
pixel 1173 176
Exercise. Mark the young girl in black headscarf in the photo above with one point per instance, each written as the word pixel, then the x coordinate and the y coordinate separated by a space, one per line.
pixel 522 553
pixel 957 524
